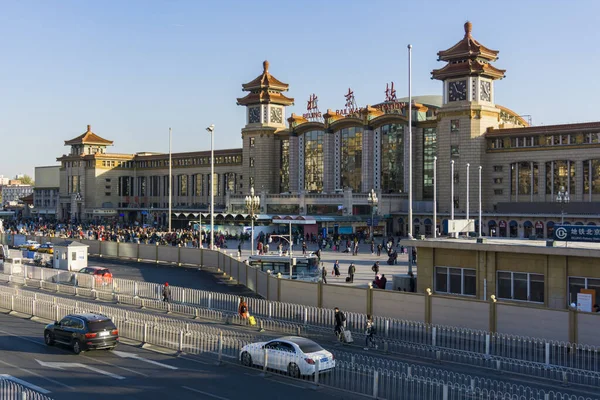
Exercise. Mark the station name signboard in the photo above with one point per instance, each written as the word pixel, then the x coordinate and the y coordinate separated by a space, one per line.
pixel 577 233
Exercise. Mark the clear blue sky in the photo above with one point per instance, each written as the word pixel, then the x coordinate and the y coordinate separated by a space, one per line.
pixel 132 69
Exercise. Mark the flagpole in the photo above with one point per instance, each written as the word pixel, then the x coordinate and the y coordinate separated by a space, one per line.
pixel 410 150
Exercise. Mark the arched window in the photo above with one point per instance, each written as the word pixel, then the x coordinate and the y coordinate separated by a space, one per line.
pixel 313 161
pixel 392 158
pixel 351 158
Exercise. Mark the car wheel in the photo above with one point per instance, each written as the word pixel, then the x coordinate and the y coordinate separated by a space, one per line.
pixel 246 359
pixel 293 370
pixel 76 347
pixel 48 338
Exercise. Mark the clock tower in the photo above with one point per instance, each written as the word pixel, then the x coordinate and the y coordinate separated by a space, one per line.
pixel 468 110
pixel 265 120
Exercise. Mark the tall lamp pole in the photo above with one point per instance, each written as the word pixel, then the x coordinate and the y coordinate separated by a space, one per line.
pixel 562 197
pixel 434 197
pixel 211 130
pixel 170 181
pixel 468 167
pixel 480 214
pixel 252 205
pixel 373 200
pixel 410 189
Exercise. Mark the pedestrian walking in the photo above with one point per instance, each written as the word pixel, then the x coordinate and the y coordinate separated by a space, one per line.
pixel 336 269
pixel 370 333
pixel 351 271
pixel 304 247
pixel 166 292
pixel 324 273
pixel 379 250
pixel 243 308
pixel 340 323
pixel 375 268
pixel 240 250
pixel 372 247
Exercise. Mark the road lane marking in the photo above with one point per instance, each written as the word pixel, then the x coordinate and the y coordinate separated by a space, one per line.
pixel 137 357
pixel 116 366
pixel 89 358
pixel 60 365
pixel 205 393
pixel 196 361
pixel 25 383
pixel 38 375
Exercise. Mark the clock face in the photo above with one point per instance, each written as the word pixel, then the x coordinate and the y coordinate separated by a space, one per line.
pixel 457 90
pixel 254 115
pixel 485 91
pixel 276 115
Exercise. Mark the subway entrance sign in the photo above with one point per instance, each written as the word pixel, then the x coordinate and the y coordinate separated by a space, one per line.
pixel 577 233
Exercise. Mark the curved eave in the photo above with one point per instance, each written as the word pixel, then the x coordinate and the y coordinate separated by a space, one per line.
pixel 265 80
pixel 309 126
pixel 388 119
pixel 265 98
pixel 514 114
pixel 467 69
pixel 467 48
pixel 346 123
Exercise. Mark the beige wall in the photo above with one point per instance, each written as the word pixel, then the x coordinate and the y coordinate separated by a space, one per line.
pixel 299 292
pixel 346 298
pixel 47 177
pixel 470 314
pixel 401 305
pixel 533 322
pixel 588 328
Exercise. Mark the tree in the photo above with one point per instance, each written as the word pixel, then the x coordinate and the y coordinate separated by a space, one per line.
pixel 27 180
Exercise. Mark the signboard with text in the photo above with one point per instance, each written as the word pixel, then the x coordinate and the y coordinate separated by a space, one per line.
pixel 577 233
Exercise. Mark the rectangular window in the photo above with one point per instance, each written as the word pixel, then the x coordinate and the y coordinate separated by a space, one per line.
pixel 461 281
pixel 497 168
pixel 520 286
pixel 107 193
pixel 498 192
pixel 454 150
pixel 498 181
pixel 251 161
pixel 454 125
pixel 577 283
pixel 252 141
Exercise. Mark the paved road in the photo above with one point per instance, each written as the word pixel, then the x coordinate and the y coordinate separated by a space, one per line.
pixel 103 374
pixel 345 352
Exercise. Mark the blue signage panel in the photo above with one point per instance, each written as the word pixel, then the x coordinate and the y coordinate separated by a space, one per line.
pixel 577 233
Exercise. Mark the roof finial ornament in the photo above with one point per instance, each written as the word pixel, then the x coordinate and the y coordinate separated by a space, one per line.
pixel 468 28
pixel 265 66
pixel 89 128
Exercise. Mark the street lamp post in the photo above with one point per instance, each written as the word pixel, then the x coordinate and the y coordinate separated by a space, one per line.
pixel 252 205
pixel 434 197
pixel 211 130
pixel 373 200
pixel 562 197
pixel 480 213
pixel 288 238
pixel 170 182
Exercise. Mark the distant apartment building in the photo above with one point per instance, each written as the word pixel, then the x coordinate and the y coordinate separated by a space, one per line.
pixel 3 180
pixel 45 192
pixel 13 191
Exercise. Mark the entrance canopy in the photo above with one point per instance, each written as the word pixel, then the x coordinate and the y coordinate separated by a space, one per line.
pixel 294 220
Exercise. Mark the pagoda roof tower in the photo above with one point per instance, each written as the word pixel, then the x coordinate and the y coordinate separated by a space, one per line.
pixel 89 138
pixel 468 57
pixel 264 89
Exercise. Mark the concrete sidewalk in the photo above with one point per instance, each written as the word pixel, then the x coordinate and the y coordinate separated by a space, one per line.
pixel 363 262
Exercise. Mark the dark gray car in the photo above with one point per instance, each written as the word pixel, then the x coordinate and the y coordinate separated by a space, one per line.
pixel 83 332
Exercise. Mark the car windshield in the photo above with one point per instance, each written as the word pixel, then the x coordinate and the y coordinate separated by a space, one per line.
pixel 101 325
pixel 309 347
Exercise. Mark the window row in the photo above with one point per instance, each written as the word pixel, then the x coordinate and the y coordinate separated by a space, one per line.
pixel 183 185
pixel 509 286
pixel 543 140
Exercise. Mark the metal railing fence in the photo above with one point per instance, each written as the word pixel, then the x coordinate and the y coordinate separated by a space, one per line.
pixel 383 381
pixel 10 390
pixel 550 353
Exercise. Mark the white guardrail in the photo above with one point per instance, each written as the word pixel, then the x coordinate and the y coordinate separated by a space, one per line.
pixel 533 350
pixel 12 390
pixel 349 373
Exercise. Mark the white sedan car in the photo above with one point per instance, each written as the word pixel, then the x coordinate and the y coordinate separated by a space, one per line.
pixel 295 355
